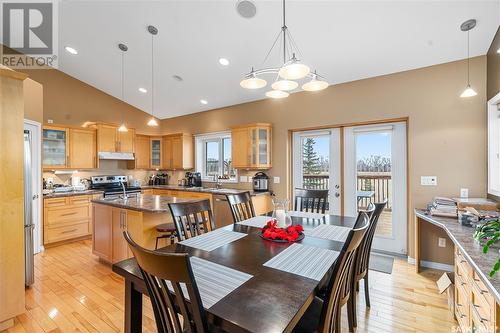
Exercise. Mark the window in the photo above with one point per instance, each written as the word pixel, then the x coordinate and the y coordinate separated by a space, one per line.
pixel 213 157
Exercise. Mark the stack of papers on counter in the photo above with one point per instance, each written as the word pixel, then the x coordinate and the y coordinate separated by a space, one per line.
pixel 441 206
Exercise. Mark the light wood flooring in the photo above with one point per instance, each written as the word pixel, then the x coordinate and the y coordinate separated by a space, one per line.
pixel 74 292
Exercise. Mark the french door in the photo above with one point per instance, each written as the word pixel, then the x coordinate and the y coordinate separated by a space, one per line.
pixel 316 164
pixel 373 167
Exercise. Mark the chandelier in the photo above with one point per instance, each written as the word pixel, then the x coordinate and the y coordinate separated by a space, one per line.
pixel 286 75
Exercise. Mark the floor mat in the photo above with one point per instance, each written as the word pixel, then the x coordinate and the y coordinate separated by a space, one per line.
pixel 381 263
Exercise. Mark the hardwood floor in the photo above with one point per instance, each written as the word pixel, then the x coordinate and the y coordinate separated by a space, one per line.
pixel 74 292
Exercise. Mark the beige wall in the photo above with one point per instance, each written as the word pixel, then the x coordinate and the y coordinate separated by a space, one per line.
pixel 447 134
pixel 33 100
pixel 67 100
pixel 494 67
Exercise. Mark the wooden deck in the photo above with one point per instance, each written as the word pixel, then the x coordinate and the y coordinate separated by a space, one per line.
pixel 74 292
pixel 384 226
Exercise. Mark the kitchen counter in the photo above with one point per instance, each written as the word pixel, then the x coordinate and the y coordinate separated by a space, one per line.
pixel 71 194
pixel 463 238
pixel 211 190
pixel 142 203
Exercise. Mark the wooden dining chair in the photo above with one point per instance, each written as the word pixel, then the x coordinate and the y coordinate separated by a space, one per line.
pixel 171 310
pixel 241 206
pixel 324 316
pixel 192 218
pixel 362 259
pixel 314 201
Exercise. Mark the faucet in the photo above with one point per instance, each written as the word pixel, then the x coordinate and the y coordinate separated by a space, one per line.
pixel 218 184
pixel 124 196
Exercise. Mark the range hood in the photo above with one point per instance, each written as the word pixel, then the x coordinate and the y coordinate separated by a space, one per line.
pixel 103 155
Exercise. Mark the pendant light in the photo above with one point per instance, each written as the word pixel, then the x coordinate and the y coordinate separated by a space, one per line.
pixel 467 26
pixel 123 48
pixel 152 122
pixel 291 69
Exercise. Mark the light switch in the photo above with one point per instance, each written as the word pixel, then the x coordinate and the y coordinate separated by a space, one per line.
pixel 243 179
pixel 464 193
pixel 428 180
pixel 250 179
pixel 276 180
pixel 441 242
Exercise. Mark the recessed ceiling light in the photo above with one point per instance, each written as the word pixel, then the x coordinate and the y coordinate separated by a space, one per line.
pixel 71 50
pixel 246 8
pixel 143 90
pixel 223 61
pixel 204 102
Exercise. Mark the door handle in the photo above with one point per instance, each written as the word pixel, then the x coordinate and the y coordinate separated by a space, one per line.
pixel 337 194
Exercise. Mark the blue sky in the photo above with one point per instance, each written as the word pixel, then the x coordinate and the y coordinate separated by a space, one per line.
pixel 367 144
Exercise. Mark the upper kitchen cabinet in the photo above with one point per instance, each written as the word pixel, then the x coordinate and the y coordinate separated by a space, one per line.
pixel 110 140
pixel 155 153
pixel 251 146
pixel 178 152
pixel 55 147
pixel 82 149
pixel 142 147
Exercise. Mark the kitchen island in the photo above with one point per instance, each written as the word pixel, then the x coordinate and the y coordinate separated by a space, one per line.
pixel 139 215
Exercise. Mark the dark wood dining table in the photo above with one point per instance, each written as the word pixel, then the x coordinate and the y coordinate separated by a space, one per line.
pixel 271 301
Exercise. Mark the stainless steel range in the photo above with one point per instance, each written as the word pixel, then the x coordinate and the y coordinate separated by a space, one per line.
pixel 113 185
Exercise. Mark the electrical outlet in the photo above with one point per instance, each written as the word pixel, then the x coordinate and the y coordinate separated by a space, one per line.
pixel 250 179
pixel 276 180
pixel 50 121
pixel 428 180
pixel 464 193
pixel 243 179
pixel 441 242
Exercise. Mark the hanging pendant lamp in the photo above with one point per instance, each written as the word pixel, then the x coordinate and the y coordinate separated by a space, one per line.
pixel 292 68
pixel 467 26
pixel 123 48
pixel 152 122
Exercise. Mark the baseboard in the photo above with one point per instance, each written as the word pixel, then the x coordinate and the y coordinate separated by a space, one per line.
pixel 433 265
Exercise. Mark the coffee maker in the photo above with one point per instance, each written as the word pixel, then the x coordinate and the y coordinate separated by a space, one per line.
pixel 193 179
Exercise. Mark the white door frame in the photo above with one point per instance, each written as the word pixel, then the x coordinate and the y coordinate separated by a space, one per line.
pixel 335 163
pixel 36 158
pixel 397 243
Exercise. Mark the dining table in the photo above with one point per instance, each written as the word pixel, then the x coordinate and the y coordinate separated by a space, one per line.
pixel 272 300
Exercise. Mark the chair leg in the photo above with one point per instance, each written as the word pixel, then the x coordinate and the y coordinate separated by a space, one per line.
pixel 352 303
pixel 156 243
pixel 337 319
pixel 367 288
pixel 357 285
pixel 350 314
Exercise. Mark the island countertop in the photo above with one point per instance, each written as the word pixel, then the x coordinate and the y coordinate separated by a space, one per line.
pixel 211 190
pixel 147 203
pixel 463 238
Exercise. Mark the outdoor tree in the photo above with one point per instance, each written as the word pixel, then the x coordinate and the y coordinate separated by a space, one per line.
pixel 310 157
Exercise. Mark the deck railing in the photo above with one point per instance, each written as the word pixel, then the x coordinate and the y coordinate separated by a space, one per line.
pixel 379 182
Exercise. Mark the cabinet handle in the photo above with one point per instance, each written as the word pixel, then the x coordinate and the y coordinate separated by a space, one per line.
pixel 69 231
pixel 68 214
pixel 481 319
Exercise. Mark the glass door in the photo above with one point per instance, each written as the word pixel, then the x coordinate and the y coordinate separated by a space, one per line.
pixel 55 148
pixel 316 164
pixel 374 171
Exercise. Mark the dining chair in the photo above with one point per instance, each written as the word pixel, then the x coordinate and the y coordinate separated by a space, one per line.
pixel 362 259
pixel 241 206
pixel 314 201
pixel 192 218
pixel 324 315
pixel 162 270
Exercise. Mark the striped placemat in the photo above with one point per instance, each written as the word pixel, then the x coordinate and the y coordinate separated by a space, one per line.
pixel 308 261
pixel 213 239
pixel 257 221
pixel 332 232
pixel 214 281
pixel 307 215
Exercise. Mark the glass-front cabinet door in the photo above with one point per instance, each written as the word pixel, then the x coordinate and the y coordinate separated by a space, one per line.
pixel 156 153
pixel 251 148
pixel 55 147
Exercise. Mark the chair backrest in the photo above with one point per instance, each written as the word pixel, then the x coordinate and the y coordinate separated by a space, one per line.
pixel 362 258
pixel 192 218
pixel 339 286
pixel 370 209
pixel 314 201
pixel 241 206
pixel 163 274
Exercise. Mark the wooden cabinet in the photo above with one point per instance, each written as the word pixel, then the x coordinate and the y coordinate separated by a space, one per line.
pixel 475 307
pixel 251 146
pixel 66 218
pixel 142 147
pixel 109 139
pixel 55 147
pixel 82 149
pixel 155 149
pixel 178 152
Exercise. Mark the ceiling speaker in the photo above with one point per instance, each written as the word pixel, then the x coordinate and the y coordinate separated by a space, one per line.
pixel 246 8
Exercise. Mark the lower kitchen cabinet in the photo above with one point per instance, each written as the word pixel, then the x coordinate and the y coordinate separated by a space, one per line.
pixel 66 218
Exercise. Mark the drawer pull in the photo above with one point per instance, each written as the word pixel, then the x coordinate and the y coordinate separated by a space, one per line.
pixel 68 214
pixel 481 319
pixel 463 261
pixel 69 231
pixel 463 283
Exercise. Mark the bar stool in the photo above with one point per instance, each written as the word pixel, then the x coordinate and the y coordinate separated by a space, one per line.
pixel 168 231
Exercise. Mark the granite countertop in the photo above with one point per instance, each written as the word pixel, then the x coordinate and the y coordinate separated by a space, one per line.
pixel 463 238
pixel 71 194
pixel 211 190
pixel 142 202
